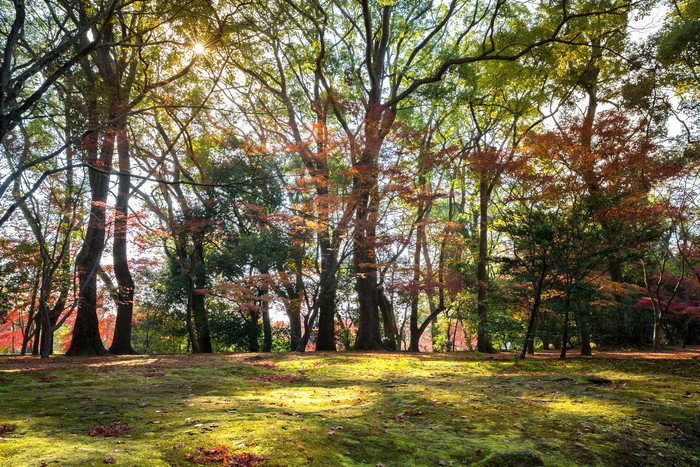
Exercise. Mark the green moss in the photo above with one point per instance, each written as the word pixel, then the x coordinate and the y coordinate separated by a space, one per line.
pixel 351 409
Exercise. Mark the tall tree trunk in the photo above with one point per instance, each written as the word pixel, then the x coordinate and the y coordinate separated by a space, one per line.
pixel 121 341
pixel 188 315
pixel 584 330
pixel 413 345
pixel 365 260
pixel 325 340
pixel 483 341
pixel 308 326
pixel 29 330
pixel 267 325
pixel 544 326
pixel 657 329
pixel 391 332
pixel 377 122
pixel 199 311
pixel 530 336
pixel 293 309
pixel 86 338
pixel 414 338
pixel 253 343
pixel 565 336
pixel 295 296
pixel 36 342
pixel 44 296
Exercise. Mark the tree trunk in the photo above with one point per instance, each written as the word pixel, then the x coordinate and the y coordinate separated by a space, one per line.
pixel 529 336
pixel 86 338
pixel 28 331
pixel 36 342
pixel 253 343
pixel 188 316
pixel 483 341
pixel 366 187
pixel 544 331
pixel 293 305
pixel 199 311
pixel 267 325
pixel 121 341
pixel 584 331
pixel 293 310
pixel 365 263
pixel 657 329
pixel 391 332
pixel 413 345
pixel 46 332
pixel 415 337
pixel 565 336
pixel 325 340
pixel 308 326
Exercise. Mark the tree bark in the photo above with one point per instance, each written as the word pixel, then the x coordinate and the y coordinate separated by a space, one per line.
pixel 565 336
pixel 325 340
pixel 364 258
pixel 308 326
pixel 29 330
pixel 267 325
pixel 391 332
pixel 584 331
pixel 292 307
pixel 253 343
pixel 529 336
pixel 199 311
pixel 413 345
pixel 483 341
pixel 188 315
pixel 657 329
pixel 121 340
pixel 294 315
pixel 86 338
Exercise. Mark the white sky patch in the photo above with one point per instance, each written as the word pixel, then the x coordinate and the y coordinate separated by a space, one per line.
pixel 643 27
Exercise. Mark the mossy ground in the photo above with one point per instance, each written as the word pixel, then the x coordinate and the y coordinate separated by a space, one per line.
pixel 354 409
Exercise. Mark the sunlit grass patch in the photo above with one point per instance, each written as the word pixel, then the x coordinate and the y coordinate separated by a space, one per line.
pixel 350 409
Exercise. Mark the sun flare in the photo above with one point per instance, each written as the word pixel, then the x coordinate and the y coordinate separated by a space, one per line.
pixel 198 49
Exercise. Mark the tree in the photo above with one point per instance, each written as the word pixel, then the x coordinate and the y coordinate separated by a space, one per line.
pixel 390 50
pixel 659 297
pixel 678 51
pixel 113 74
pixel 45 41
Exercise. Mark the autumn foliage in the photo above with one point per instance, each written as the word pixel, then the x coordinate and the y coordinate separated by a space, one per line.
pixel 114 429
pixel 221 454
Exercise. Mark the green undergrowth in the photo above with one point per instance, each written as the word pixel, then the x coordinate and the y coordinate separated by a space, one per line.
pixel 350 409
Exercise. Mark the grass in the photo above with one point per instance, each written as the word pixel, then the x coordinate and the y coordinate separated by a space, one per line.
pixel 353 409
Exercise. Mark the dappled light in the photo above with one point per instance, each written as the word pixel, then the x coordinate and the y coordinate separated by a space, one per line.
pixel 295 409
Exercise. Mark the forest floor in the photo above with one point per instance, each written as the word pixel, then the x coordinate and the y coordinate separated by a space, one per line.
pixel 377 409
